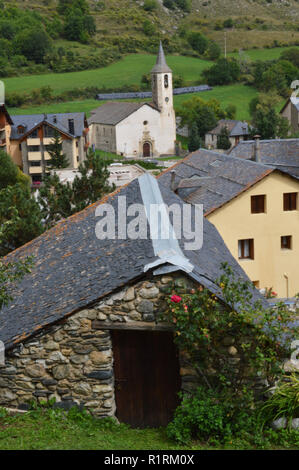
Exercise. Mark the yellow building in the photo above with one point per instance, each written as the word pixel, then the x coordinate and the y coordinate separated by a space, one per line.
pixel 255 209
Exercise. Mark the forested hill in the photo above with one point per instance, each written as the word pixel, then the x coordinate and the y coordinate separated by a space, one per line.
pixel 38 36
pixel 254 22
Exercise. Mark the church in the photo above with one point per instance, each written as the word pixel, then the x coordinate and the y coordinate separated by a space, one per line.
pixel 133 129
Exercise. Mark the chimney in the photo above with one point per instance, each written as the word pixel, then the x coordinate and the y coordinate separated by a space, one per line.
pixel 172 181
pixel 256 149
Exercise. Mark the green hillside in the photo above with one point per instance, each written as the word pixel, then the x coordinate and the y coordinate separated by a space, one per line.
pixel 127 71
pixel 257 23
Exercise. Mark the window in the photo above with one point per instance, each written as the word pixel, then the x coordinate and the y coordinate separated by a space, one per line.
pixel 33 148
pixel 166 83
pixel 49 131
pixel 256 284
pixel 246 249
pixel 286 242
pixel 35 163
pixel 290 201
pixel 33 134
pixel 258 204
pixel 71 126
pixel 21 129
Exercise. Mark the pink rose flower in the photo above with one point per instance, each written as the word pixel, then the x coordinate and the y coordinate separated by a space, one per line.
pixel 176 299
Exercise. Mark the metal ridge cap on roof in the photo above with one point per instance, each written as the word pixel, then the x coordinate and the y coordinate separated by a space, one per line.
pixel 166 249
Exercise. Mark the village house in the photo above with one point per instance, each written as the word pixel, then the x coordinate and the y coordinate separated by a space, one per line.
pixel 254 207
pixel 84 325
pixel 5 128
pixel 282 154
pixel 28 137
pixel 136 129
pixel 237 131
pixel 290 111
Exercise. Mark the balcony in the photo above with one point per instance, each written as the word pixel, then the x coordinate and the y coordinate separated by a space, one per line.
pixel 33 141
pixel 48 140
pixel 33 156
pixel 35 170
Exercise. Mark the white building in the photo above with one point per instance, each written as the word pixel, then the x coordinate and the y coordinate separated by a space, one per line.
pixel 136 129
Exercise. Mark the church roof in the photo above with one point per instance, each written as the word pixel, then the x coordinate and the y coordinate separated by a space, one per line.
pixel 161 65
pixel 114 112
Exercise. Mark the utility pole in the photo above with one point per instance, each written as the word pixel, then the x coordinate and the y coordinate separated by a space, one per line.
pixel 225 44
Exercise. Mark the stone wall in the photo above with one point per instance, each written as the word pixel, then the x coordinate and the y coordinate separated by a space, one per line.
pixel 73 360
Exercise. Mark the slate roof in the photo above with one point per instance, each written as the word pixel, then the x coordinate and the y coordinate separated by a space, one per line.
pixel 282 154
pixel 30 121
pixel 73 269
pixel 235 128
pixel 212 179
pixel 115 111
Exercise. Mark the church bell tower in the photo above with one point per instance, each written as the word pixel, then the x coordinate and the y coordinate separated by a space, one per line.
pixel 162 84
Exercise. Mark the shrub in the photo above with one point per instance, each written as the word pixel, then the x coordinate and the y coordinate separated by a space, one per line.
pixel 150 5
pixel 206 415
pixel 198 42
pixel 284 401
pixel 224 72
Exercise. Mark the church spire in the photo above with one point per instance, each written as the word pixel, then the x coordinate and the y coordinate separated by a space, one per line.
pixel 161 65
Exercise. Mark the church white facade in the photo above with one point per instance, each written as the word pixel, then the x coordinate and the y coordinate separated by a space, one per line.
pixel 136 129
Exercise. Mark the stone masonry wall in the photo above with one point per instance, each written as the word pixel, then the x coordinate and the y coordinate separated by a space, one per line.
pixel 73 360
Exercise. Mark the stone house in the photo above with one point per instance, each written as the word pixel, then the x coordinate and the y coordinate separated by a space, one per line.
pixel 30 135
pixel 237 132
pixel 136 129
pixel 84 325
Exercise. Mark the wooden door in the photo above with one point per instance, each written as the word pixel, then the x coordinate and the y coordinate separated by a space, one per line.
pixel 146 149
pixel 147 379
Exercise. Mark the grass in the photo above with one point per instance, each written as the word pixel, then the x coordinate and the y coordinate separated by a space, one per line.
pixel 262 54
pixel 239 95
pixel 127 71
pixel 56 430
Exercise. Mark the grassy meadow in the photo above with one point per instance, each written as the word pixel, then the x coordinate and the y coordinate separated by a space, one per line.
pixel 129 71
pixel 238 94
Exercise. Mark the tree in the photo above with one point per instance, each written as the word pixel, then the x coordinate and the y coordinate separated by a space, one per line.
pixel 194 140
pixel 198 42
pixel 265 120
pixel 291 55
pixel 20 217
pixel 8 170
pixel 65 6
pixel 60 200
pixel 10 174
pixel 231 111
pixel 224 72
pixel 33 44
pixel 223 141
pixel 58 159
pixel 205 114
pixel 213 51
pixel 150 5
